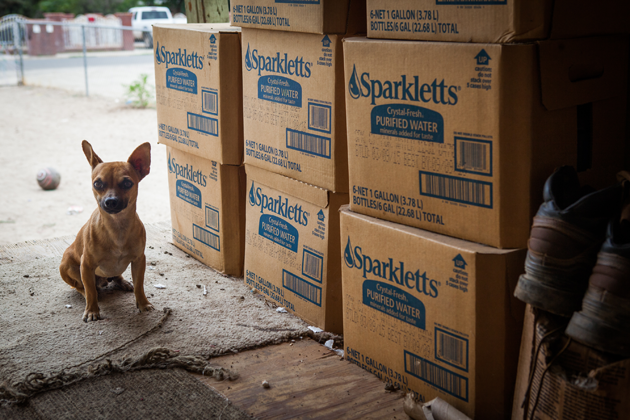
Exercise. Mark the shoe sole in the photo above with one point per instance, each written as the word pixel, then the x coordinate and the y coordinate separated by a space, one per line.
pixel 543 296
pixel 603 323
pixel 554 285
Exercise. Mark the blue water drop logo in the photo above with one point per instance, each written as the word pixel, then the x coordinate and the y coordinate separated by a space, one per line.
pixel 248 59
pixel 252 197
pixel 353 85
pixel 157 53
pixel 347 255
pixel 170 167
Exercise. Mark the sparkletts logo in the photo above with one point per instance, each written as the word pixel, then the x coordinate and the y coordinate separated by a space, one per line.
pixel 389 270
pixel 280 64
pixel 279 206
pixel 178 58
pixel 407 88
pixel 186 172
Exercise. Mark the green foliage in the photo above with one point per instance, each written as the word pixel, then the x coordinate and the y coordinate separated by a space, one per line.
pixel 61 6
pixel 175 6
pixel 37 8
pixel 79 7
pixel 139 93
pixel 20 7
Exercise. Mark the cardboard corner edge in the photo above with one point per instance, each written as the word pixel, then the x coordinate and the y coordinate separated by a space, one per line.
pixel 310 193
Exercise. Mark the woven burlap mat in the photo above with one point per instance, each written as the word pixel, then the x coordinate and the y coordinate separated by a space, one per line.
pixel 43 332
pixel 146 394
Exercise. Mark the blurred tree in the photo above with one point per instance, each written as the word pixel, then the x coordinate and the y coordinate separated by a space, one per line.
pixel 36 8
pixel 175 6
pixel 50 6
pixel 79 7
pixel 20 7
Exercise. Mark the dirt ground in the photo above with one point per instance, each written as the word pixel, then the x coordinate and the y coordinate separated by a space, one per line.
pixel 44 127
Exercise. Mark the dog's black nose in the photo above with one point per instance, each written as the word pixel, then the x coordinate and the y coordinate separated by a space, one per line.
pixel 111 203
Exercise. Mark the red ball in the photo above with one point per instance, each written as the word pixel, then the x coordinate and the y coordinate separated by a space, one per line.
pixel 48 178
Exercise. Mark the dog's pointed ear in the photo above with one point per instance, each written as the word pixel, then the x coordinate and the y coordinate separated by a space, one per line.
pixel 90 155
pixel 140 159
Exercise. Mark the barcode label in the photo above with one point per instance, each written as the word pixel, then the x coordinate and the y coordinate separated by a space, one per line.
pixel 308 143
pixel 319 117
pixel 469 2
pixel 302 288
pixel 461 190
pixel 312 266
pixel 451 349
pixel 473 156
pixel 212 218
pixel 209 102
pixel 444 379
pixel 204 124
pixel 206 237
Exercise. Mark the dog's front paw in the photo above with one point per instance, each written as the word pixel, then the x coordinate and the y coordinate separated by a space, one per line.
pixel 145 307
pixel 91 315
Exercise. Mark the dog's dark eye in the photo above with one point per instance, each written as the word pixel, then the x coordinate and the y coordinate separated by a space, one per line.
pixel 127 184
pixel 98 184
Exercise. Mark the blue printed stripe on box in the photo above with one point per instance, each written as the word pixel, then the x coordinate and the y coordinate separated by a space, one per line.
pixel 203 124
pixel 460 190
pixel 394 302
pixel 312 265
pixel 473 156
pixel 308 143
pixel 277 230
pixel 206 237
pixel 302 288
pixel 298 1
pixel 188 192
pixel 451 349
pixel 210 101
pixel 182 80
pixel 280 89
pixel 469 2
pixel 449 382
pixel 408 121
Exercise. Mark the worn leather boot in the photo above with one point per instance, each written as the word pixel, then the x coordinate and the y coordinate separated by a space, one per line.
pixel 604 321
pixel 566 235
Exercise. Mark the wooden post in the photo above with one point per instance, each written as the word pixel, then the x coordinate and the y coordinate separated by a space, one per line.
pixel 207 11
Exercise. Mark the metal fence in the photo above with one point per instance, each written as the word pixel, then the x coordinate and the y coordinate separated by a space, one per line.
pixel 97 34
pixel 86 32
pixel 12 45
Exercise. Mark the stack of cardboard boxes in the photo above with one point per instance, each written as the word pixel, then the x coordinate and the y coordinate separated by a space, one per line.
pixel 199 106
pixel 280 102
pixel 295 150
pixel 457 138
pixel 450 117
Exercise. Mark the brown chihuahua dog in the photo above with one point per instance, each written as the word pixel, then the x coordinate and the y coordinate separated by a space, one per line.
pixel 114 236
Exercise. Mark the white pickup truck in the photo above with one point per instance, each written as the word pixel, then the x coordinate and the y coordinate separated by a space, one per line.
pixel 144 17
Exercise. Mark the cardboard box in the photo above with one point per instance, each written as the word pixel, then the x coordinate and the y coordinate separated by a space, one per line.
pixel 459 138
pixel 432 314
pixel 207 210
pixel 293 106
pixel 292 246
pixel 581 383
pixel 495 21
pixel 310 16
pixel 199 90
